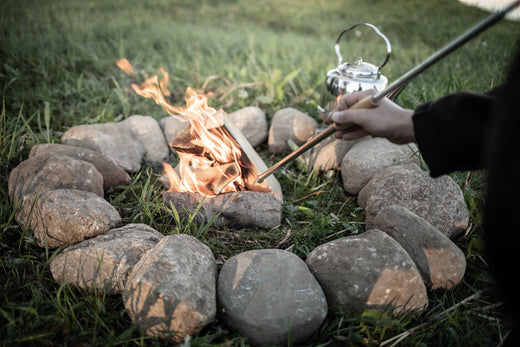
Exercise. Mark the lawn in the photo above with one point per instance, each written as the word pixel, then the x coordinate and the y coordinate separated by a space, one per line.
pixel 57 70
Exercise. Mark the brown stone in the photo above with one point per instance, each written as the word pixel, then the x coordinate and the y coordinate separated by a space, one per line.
pixel 252 123
pixel 441 263
pixel 370 270
pixel 172 289
pixel 105 262
pixel 237 209
pixel 270 297
pixel 113 175
pixel 53 171
pixel 114 140
pixel 289 123
pixel 63 217
pixel 149 133
pixel 371 155
pixel 172 126
pixel 438 200
pixel 328 154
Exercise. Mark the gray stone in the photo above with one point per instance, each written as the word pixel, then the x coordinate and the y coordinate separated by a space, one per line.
pixel 53 171
pixel 370 270
pixel 270 297
pixel 172 289
pixel 149 133
pixel 371 155
pixel 113 140
pixel 438 200
pixel 328 154
pixel 113 175
pixel 252 123
pixel 105 262
pixel 441 263
pixel 289 123
pixel 172 126
pixel 64 217
pixel 238 209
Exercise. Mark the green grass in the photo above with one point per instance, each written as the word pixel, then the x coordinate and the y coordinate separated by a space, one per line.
pixel 57 70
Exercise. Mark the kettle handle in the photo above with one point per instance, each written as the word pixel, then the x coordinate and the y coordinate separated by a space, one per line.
pixel 388 46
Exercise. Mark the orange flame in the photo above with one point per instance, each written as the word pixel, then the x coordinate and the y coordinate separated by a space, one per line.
pixel 124 65
pixel 209 158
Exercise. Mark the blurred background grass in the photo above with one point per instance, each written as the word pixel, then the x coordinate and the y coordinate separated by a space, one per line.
pixel 63 52
pixel 57 70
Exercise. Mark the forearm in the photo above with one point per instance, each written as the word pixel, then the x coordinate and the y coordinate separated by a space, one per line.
pixel 450 131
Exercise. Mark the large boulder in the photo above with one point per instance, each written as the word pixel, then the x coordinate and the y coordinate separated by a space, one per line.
pixel 113 174
pixel 64 217
pixel 289 123
pixel 114 140
pixel 370 270
pixel 251 121
pixel 438 200
pixel 105 262
pixel 369 156
pixel 172 289
pixel 271 297
pixel 441 263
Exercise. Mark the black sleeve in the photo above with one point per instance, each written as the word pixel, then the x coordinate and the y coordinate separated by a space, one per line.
pixel 451 131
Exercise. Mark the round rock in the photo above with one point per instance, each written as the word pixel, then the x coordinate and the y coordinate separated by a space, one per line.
pixel 53 171
pixel 149 133
pixel 64 217
pixel 370 270
pixel 114 140
pixel 438 200
pixel 104 262
pixel 328 154
pixel 441 263
pixel 270 297
pixel 113 175
pixel 172 289
pixel 369 156
pixel 252 123
pixel 289 123
pixel 172 126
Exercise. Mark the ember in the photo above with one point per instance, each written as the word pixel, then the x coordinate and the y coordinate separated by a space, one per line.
pixel 210 159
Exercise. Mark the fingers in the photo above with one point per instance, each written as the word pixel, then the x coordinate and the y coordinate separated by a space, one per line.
pixel 348 100
pixel 386 119
pixel 348 116
pixel 351 133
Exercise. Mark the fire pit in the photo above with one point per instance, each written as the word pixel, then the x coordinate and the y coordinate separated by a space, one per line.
pixel 170 284
pixel 216 174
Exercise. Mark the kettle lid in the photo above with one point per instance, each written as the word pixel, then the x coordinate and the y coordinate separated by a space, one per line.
pixel 359 69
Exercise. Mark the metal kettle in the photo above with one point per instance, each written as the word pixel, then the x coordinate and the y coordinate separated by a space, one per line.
pixel 356 76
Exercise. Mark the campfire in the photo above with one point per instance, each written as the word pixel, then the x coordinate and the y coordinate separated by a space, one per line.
pixel 217 166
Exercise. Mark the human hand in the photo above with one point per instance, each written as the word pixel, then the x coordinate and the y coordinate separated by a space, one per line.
pixel 385 119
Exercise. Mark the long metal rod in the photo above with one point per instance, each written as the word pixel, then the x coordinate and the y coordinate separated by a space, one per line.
pixel 375 99
pixel 450 47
